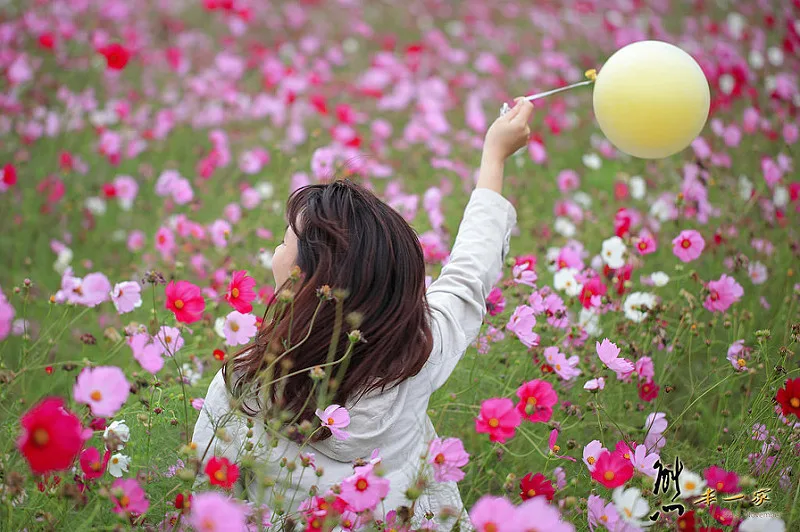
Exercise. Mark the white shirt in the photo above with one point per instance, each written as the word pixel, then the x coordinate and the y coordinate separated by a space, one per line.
pixel 395 421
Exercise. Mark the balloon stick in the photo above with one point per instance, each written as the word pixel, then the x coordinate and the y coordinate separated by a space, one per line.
pixel 591 74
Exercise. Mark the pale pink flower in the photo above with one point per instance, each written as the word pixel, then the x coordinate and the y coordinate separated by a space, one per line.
pixel 6 316
pixel 335 418
pixel 165 242
pixel 566 368
pixel 197 403
pixel 537 514
pixel 595 384
pixel 250 198
pixel 494 514
pixel 126 296
pixel 165 181
pixel 168 340
pixel 688 245
pixel 602 514
pixel 364 490
pixel 126 188
pixel 772 172
pixel 212 511
pixel 220 231
pixel 757 272
pixel 643 462
pixel 135 241
pixel 104 388
pixel 723 293
pixel 447 457
pixel 146 353
pixel 654 426
pixel 567 180
pixel 129 497
pixel 523 275
pixel 239 328
pixel 591 452
pixel 521 323
pixel 609 355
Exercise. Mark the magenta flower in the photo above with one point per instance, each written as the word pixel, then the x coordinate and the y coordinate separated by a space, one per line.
pixel 494 514
pixel 644 368
pixel 688 245
pixel 591 452
pixel 185 300
pixel 165 242
pixel 536 401
pixel 499 419
pixel 721 480
pixel 336 418
pixel 212 511
pixel 612 469
pixel 240 292
pixel 364 490
pixel 537 514
pixel 129 497
pixel 495 302
pixel 6 316
pixel 555 449
pixel 723 293
pixel 609 354
pixel 447 456
pixel 105 389
pixel 521 323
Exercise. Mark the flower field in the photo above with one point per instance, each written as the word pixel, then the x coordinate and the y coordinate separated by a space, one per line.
pixel 638 363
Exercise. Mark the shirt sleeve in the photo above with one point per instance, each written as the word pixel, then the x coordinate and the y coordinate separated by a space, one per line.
pixel 457 299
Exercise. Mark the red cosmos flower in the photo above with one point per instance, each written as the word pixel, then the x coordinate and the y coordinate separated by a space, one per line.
pixel 47 41
pixel 185 301
pixel 722 515
pixel 116 55
pixel 789 397
pixel 648 390
pixel 622 222
pixel 92 465
pixel 536 485
pixel 9 175
pixel 593 287
pixel 240 292
pixel 109 190
pixel 182 502
pixel 221 472
pixel 51 436
pixel 612 470
pixel 219 354
pixel 686 522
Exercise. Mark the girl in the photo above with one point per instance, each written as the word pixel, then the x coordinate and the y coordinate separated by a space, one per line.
pixel 360 267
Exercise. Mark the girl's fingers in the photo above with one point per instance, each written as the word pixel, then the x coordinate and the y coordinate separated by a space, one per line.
pixel 524 110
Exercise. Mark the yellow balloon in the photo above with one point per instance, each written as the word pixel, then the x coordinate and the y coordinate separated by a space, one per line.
pixel 651 99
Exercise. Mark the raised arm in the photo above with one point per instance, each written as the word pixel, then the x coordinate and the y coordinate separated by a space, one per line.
pixel 458 297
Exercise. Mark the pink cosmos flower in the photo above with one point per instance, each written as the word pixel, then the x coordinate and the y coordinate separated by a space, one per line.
pixel 569 257
pixel 654 426
pixel 212 511
pixel 126 296
pixel 220 231
pixel 536 401
pixel 239 328
pixel 555 449
pixel 240 292
pixel 197 403
pixel 556 311
pixel 364 490
pixel 566 368
pixel 521 323
pixel 643 462
pixel 89 291
pixel 6 316
pixel 447 456
pixel 146 353
pixel 523 275
pixel 495 302
pixel 537 514
pixel 135 241
pixel 129 497
pixel 92 464
pixel 591 452
pixel 185 300
pixel 595 384
pixel 721 480
pixel 126 189
pixel 645 244
pixel 104 388
pixel 723 293
pixel 612 470
pixel 494 514
pixel 168 340
pixel 688 245
pixel 609 355
pixel 336 418
pixel 736 355
pixel 644 368
pixel 602 514
pixel 567 180
pixel 165 242
pixel 498 418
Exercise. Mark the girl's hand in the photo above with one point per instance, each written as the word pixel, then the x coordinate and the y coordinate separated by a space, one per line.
pixel 509 132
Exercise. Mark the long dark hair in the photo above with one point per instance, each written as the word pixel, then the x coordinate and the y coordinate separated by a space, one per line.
pixel 368 256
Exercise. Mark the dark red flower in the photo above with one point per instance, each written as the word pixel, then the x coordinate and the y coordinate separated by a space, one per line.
pixel 686 522
pixel 98 423
pixel 219 354
pixel 789 397
pixel 221 472
pixel 535 485
pixel 117 56
pixel 722 515
pixel 52 437
pixel 648 390
pixel 183 502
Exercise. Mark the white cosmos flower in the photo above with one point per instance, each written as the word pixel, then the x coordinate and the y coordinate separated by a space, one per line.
pixel 637 304
pixel 780 197
pixel 265 258
pixel 660 210
pixel 757 272
pixel 614 252
pixel 765 522
pixel 637 187
pixel 96 206
pixel 118 464
pixel 564 281
pixel 590 322
pixel 265 189
pixel 592 161
pixel 631 506
pixel 775 56
pixel 659 278
pixel 756 59
pixel 564 227
pixel 745 188
pixel 120 431
pixel 691 484
pixel 551 257
pixel 63 260
pixel 583 199
pixel 219 327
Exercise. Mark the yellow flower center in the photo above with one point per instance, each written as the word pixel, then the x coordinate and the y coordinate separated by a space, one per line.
pixel 96 395
pixel 689 485
pixel 234 326
pixel 220 475
pixel 124 501
pixel 686 243
pixel 531 492
pixel 608 475
pixel 556 448
pixel 179 304
pixel 532 401
pixel 604 518
pixel 115 460
pixel 331 421
pixel 742 362
pixel 490 527
pixel 591 460
pixel 795 402
pixel 720 485
pixel 494 423
pixel 235 292
pixel 439 458
pixel 208 524
pixel 628 512
pixel 41 437
pixel 362 484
